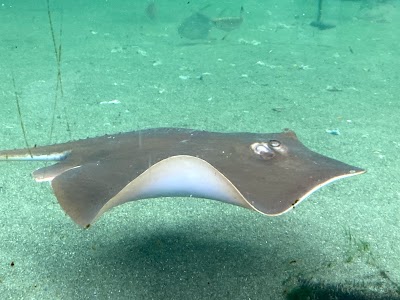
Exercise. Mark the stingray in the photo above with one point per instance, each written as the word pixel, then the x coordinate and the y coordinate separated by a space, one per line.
pixel 195 27
pixel 267 172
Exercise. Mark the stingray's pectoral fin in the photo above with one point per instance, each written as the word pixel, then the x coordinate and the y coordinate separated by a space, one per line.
pixel 82 191
pixel 86 192
pixel 50 172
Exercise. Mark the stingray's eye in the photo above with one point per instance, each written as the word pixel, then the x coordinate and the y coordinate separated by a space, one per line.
pixel 274 143
pixel 263 150
pixel 278 147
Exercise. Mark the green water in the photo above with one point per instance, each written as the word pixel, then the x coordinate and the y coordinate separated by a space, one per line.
pixel 272 71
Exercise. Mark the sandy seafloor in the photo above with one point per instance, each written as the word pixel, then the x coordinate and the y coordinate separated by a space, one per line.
pixel 274 72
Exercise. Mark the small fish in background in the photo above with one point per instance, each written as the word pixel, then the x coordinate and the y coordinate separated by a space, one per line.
pixel 228 23
pixel 151 10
